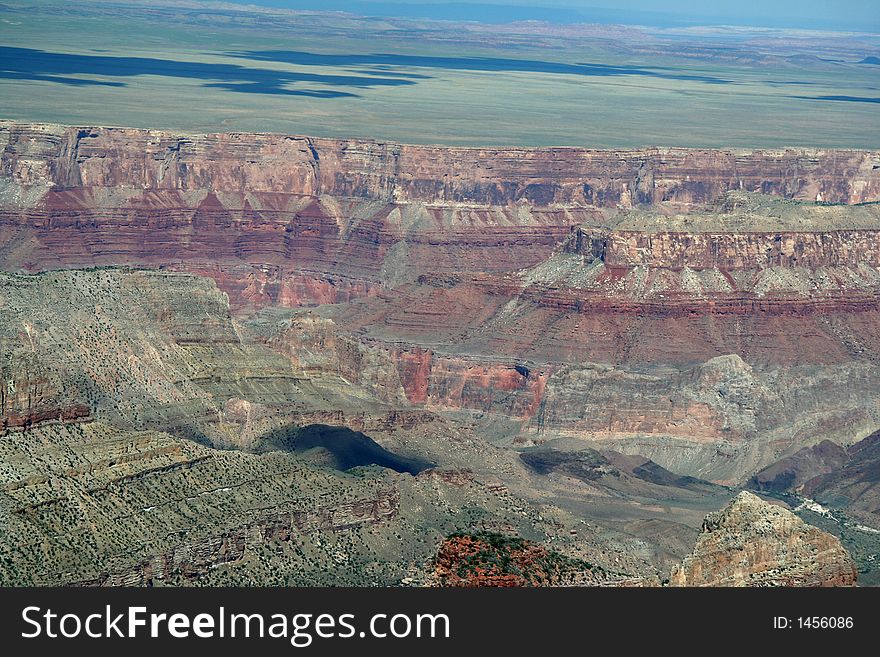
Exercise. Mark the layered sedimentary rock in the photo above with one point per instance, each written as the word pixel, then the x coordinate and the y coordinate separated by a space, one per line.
pixel 700 340
pixel 753 543
pixel 297 221
pixel 127 495
pixel 731 251
pixel 722 419
pixel 240 162
pixel 30 392
pixel 706 313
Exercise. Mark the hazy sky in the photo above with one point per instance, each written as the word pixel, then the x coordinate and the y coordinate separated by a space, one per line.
pixel 861 15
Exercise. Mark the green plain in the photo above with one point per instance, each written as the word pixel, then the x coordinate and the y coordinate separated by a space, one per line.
pixel 452 106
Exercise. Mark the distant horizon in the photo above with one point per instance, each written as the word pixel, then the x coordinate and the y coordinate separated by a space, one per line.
pixel 861 16
pixel 421 82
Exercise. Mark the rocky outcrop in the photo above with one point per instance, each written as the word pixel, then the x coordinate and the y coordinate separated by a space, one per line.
pixel 487 559
pixel 753 543
pixel 807 268
pixel 729 251
pixel 193 560
pixel 30 392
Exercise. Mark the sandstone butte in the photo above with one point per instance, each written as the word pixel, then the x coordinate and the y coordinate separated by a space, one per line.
pixel 753 543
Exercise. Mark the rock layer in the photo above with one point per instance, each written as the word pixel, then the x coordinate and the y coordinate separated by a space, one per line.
pixel 239 162
pixel 288 220
pixel 711 311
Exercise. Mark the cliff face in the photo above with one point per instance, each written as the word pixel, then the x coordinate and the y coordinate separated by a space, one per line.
pixel 732 251
pixel 236 162
pixel 752 274
pixel 30 392
pixel 753 543
pixel 295 221
pixel 132 494
pixel 720 419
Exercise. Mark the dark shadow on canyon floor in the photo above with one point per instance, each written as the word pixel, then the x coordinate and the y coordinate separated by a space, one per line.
pixel 590 465
pixel 346 448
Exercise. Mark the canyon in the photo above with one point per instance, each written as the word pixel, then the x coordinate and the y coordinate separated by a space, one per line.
pixel 589 349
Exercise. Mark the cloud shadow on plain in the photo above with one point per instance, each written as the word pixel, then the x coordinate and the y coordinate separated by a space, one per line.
pixel 62 68
pixel 499 64
pixel 848 99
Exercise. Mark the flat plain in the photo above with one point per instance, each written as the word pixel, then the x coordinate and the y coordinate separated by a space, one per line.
pixel 204 67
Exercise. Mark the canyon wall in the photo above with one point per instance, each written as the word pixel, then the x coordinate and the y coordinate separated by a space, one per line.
pixel 698 308
pixel 296 221
pixel 524 284
pixel 730 251
pixel 238 162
